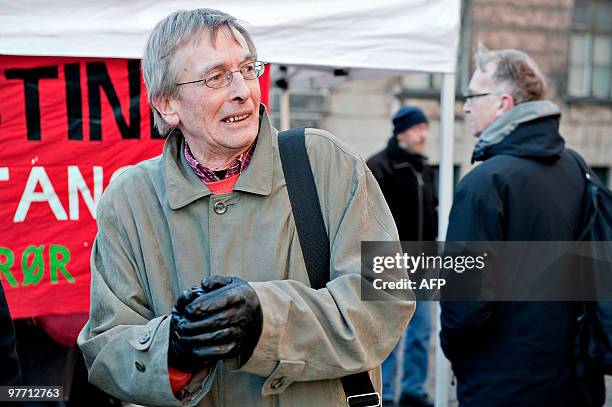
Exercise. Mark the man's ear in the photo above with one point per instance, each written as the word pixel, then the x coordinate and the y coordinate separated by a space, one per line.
pixel 401 138
pixel 167 109
pixel 506 102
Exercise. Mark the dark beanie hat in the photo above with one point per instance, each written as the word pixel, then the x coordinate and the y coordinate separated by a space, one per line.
pixel 406 117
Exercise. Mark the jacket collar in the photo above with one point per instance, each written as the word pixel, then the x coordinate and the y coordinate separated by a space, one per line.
pixel 529 129
pixel 399 157
pixel 183 186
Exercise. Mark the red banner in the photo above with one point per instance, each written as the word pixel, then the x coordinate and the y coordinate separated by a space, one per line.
pixel 68 126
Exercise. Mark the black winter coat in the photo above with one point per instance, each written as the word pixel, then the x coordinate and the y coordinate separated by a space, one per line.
pixel 9 364
pixel 407 184
pixel 517 353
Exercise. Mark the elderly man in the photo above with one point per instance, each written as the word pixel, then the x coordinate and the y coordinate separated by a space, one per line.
pixel 528 188
pixel 213 213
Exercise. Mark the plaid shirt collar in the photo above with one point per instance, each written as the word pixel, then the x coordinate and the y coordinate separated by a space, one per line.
pixel 207 175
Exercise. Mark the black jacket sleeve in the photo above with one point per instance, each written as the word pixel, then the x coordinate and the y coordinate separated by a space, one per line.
pixel 474 217
pixel 10 373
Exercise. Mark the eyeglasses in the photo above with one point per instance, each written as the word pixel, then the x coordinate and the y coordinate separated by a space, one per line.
pixel 466 98
pixel 218 80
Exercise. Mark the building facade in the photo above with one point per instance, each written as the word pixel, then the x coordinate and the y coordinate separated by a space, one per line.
pixel 571 40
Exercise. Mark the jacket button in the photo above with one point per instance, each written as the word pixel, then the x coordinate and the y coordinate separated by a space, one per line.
pixel 220 207
pixel 140 366
pixel 278 383
pixel 144 338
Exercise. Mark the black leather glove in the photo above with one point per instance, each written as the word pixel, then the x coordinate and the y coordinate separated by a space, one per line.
pixel 180 353
pixel 223 323
pixel 229 314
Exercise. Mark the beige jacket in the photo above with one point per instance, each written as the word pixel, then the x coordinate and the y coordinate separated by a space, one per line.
pixel 160 231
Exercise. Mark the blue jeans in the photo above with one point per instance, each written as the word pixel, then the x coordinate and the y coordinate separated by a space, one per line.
pixel 411 352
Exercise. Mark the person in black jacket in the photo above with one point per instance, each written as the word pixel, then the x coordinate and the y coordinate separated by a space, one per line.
pixel 407 184
pixel 527 188
pixel 10 374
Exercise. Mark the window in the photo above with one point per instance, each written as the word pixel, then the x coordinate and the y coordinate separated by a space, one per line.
pixel 427 85
pixel 436 174
pixel 421 81
pixel 306 107
pixel 590 60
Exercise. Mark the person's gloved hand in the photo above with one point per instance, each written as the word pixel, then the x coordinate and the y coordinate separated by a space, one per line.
pixel 223 323
pixel 180 352
pixel 230 309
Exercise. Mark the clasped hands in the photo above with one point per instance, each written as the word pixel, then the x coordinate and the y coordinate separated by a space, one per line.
pixel 220 319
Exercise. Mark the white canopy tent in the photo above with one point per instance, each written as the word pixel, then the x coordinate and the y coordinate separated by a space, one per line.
pixel 394 36
pixel 415 35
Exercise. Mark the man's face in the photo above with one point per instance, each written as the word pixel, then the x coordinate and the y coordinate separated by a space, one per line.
pixel 481 111
pixel 203 112
pixel 413 139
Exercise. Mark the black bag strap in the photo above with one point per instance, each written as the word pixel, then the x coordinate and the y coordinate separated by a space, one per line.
pixel 591 202
pixel 314 241
pixel 305 206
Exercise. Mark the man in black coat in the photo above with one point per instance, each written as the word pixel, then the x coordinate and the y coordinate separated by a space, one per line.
pixel 405 179
pixel 10 375
pixel 527 188
pixel 407 184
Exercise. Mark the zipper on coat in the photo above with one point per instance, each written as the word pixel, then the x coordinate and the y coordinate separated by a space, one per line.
pixel 421 204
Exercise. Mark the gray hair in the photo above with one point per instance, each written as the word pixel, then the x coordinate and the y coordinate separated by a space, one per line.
pixel 169 35
pixel 515 72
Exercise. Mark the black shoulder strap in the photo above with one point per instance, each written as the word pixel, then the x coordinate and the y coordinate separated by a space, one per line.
pixel 305 206
pixel 590 204
pixel 314 241
pixel 583 165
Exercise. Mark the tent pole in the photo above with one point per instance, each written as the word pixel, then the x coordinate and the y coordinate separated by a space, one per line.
pixel 445 194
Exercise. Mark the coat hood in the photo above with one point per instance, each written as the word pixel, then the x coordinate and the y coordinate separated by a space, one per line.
pixel 528 130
